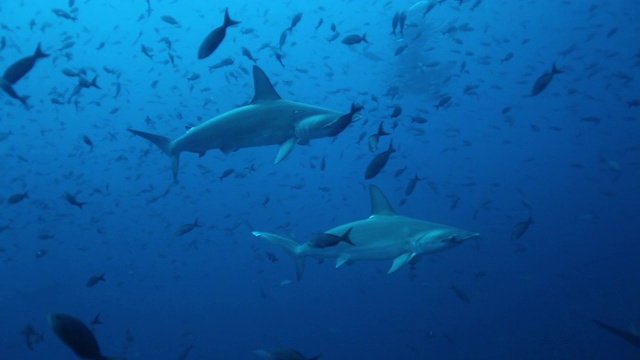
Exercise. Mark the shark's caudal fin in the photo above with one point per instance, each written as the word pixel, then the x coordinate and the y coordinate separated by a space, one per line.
pixel 288 245
pixel 164 143
pixel 379 203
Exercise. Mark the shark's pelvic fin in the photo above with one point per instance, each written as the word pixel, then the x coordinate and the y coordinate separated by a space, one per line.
pixel 285 149
pixel 401 261
pixel 164 143
pixel 289 246
pixel 379 203
pixel 264 91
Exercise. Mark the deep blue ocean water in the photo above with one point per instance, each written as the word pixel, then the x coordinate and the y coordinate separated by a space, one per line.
pixel 490 158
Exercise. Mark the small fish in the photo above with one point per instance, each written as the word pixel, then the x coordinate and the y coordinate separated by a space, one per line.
pixel 94 279
pixel 283 39
pixel 460 294
pixel 520 228
pixel 63 14
pixel 397 110
pixel 443 102
pixel 323 164
pixel 544 80
pixel 296 19
pixel 284 354
pixel 506 58
pixel 147 51
pixel 411 185
pixel 401 49
pixel 76 336
pixel 394 23
pixel 375 138
pixel 17 71
pixel 170 20
pixel 278 57
pixel 186 228
pixel 418 119
pixel 354 39
pixel 399 172
pixel 88 141
pixel 377 164
pixel 215 37
pixel 16 198
pixel 320 22
pixel 224 62
pixel 31 336
pixel 325 240
pixel 402 18
pixel 224 175
pixel 72 200
pixel 247 53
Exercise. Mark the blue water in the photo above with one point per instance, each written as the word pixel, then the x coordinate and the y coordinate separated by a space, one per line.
pixel 569 158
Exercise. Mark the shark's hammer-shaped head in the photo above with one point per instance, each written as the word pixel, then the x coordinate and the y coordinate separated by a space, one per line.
pixel 439 238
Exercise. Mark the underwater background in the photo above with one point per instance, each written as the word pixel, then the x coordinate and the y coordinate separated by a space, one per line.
pixel 487 160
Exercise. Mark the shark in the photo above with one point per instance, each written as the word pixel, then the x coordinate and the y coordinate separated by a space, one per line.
pixel 384 235
pixel 267 120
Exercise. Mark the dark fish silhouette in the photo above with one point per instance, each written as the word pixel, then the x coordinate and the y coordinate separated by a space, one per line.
pixel 215 37
pixel 460 294
pixel 186 228
pixel 94 279
pixel 16 71
pixel 72 200
pixel 76 336
pixel 626 335
pixel 16 198
pixel 520 228
pixel 544 80
pixel 375 138
pixel 378 162
pixel 355 39
pixel 284 354
pixel 411 185
pixel 294 22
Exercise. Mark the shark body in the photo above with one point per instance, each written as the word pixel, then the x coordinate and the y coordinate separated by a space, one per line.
pixel 267 120
pixel 385 235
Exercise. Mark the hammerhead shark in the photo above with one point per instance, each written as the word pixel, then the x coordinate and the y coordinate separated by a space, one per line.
pixel 628 336
pixel 267 120
pixel 384 235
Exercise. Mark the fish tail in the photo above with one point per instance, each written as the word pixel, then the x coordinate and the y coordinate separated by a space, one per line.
pixel 228 21
pixel 364 38
pixel 554 70
pixel 39 53
pixel 289 246
pixel 345 237
pixel 391 148
pixel 164 143
pixel 94 82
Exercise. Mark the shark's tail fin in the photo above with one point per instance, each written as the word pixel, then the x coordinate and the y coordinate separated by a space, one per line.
pixel 164 143
pixel 289 246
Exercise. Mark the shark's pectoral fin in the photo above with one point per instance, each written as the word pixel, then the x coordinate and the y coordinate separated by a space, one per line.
pixel 285 149
pixel 401 261
pixel 341 260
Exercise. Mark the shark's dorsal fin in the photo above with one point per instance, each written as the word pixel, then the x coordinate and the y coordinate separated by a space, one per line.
pixel 264 91
pixel 379 203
